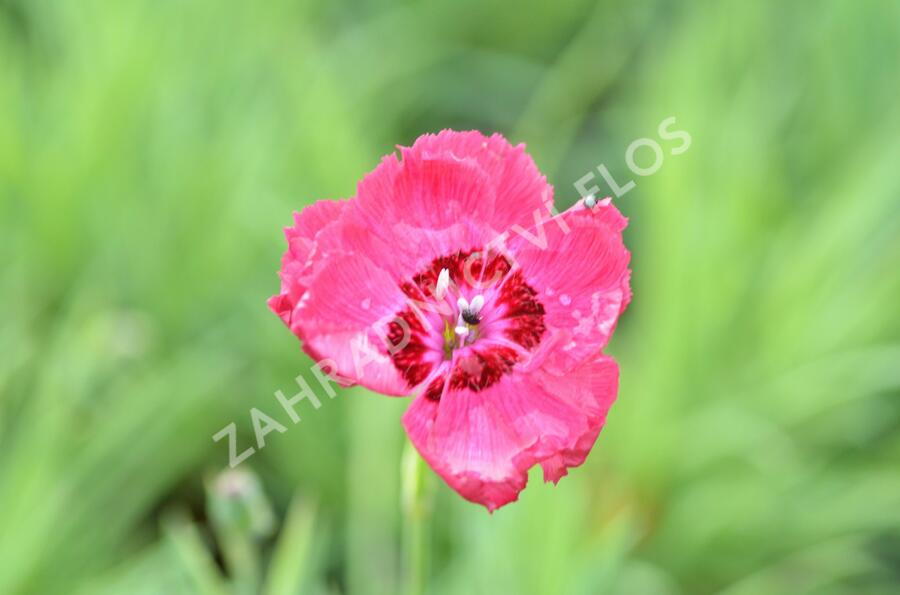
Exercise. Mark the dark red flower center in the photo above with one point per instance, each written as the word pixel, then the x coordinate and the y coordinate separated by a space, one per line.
pixel 469 318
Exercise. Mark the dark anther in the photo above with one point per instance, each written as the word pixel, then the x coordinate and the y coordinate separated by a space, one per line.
pixel 470 317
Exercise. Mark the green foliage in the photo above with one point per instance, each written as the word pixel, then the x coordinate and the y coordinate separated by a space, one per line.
pixel 150 152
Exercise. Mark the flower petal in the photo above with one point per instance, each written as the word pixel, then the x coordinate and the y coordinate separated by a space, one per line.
pixel 578 264
pixel 519 187
pixel 315 223
pixel 342 316
pixel 483 443
pixel 593 388
pixel 432 192
pixel 448 192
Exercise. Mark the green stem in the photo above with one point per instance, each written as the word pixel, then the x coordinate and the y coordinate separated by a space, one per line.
pixel 416 492
pixel 242 557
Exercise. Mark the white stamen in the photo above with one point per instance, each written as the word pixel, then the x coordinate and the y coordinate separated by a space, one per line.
pixel 477 303
pixel 462 331
pixel 443 283
pixel 462 304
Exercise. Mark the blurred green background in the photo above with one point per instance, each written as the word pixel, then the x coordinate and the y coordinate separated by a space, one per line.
pixel 151 152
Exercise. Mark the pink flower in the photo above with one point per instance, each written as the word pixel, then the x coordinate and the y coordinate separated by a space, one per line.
pixel 447 278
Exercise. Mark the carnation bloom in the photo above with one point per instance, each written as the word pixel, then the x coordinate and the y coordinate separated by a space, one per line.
pixel 447 277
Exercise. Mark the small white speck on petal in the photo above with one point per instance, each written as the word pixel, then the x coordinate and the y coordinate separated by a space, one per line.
pixel 443 283
pixel 366 304
pixel 564 299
